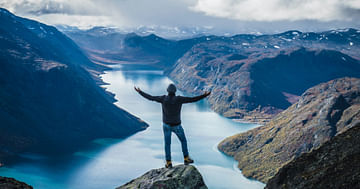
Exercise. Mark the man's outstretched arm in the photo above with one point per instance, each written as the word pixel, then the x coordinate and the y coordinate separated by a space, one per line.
pixel 147 96
pixel 195 98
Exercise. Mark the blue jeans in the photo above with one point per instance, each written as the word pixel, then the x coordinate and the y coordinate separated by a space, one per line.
pixel 179 131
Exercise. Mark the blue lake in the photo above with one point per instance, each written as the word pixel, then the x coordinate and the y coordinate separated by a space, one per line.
pixel 108 163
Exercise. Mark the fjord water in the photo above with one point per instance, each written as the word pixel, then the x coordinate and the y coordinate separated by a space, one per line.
pixel 108 163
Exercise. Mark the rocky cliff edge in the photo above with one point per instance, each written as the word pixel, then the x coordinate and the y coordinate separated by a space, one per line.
pixel 179 177
pixel 10 183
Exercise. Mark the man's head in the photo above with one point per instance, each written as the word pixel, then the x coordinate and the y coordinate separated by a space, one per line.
pixel 171 89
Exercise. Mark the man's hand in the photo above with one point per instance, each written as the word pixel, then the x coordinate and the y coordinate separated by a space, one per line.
pixel 137 89
pixel 207 93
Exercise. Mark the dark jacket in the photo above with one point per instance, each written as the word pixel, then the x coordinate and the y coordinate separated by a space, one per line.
pixel 171 106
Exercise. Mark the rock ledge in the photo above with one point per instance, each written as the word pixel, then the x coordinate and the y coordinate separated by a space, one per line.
pixel 180 176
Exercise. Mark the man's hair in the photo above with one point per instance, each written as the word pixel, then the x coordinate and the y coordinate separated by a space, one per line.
pixel 171 88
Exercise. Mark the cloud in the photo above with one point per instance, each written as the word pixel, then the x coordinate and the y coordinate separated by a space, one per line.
pixel 80 21
pixel 280 10
pixel 40 7
pixel 225 16
pixel 80 13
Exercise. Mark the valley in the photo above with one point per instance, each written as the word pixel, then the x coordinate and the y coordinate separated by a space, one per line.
pixel 278 101
pixel 252 77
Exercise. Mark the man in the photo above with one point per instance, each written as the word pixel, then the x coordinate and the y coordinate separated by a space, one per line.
pixel 171 109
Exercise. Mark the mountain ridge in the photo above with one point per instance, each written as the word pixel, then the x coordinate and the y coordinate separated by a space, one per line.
pixel 321 113
pixel 50 102
pixel 256 87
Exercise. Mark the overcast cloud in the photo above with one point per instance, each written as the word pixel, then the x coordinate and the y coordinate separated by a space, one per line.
pixel 281 10
pixel 228 15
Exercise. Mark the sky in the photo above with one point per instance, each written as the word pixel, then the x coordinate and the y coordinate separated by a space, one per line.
pixel 233 16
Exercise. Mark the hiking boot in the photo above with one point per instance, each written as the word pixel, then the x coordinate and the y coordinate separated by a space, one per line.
pixel 188 160
pixel 168 164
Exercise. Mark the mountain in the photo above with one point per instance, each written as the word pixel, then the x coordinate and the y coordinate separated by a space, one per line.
pixel 255 77
pixel 257 87
pixel 168 32
pixel 176 33
pixel 180 176
pixel 322 112
pixel 252 77
pixel 108 46
pixel 333 165
pixel 49 100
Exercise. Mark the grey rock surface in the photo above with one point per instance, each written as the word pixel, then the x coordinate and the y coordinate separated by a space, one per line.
pixel 179 177
pixel 10 183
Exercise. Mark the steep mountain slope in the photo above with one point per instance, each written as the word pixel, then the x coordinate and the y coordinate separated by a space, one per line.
pixel 48 101
pixel 256 77
pixel 336 164
pixel 321 113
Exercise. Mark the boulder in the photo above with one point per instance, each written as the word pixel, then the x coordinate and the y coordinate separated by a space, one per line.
pixel 179 177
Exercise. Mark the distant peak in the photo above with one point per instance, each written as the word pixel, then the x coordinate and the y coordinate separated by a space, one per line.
pixel 153 36
pixel 291 32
